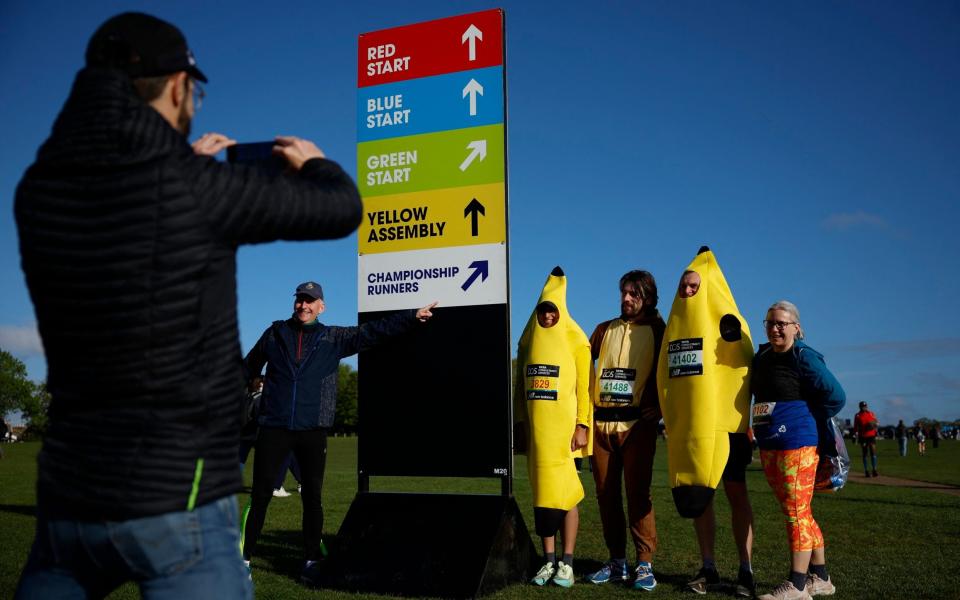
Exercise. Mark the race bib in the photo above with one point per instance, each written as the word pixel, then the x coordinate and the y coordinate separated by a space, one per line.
pixel 762 412
pixel 542 382
pixel 685 357
pixel 616 385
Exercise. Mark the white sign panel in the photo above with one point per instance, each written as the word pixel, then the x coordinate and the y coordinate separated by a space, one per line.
pixel 455 276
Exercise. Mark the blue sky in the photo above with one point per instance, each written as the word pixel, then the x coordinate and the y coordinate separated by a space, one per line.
pixel 815 147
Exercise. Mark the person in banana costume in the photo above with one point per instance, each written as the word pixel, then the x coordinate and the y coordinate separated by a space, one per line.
pixel 554 421
pixel 734 479
pixel 703 372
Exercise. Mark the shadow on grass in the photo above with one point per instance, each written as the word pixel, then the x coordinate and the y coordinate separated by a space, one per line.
pixel 19 509
pixel 281 552
pixel 874 501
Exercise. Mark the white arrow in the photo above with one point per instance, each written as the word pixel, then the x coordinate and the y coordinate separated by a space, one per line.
pixel 473 34
pixel 473 88
pixel 478 147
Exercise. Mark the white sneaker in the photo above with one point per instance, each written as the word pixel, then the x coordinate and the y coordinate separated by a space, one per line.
pixel 820 587
pixel 786 591
pixel 543 575
pixel 564 575
pixel 280 493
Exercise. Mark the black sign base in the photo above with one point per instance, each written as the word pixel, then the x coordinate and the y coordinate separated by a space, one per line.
pixel 441 545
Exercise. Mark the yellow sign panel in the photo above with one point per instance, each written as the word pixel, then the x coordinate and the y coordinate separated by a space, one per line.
pixel 458 216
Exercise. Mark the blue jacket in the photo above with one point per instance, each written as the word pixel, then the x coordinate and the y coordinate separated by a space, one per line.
pixel 300 388
pixel 797 422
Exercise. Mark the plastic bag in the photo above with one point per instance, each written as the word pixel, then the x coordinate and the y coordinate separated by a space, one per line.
pixel 834 466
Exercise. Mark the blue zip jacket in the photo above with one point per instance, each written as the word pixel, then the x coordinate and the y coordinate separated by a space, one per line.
pixel 797 422
pixel 300 387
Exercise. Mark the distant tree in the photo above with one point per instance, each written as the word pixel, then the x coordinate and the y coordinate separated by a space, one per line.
pixel 35 411
pixel 347 415
pixel 15 388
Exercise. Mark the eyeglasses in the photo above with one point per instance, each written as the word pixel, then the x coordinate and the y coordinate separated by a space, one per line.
pixel 198 95
pixel 779 325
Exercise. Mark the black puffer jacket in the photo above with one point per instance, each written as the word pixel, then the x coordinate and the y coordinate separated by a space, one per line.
pixel 128 242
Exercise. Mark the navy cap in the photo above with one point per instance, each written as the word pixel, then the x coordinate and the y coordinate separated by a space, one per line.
pixel 311 289
pixel 142 46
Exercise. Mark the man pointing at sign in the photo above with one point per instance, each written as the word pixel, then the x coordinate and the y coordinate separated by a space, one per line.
pixel 302 356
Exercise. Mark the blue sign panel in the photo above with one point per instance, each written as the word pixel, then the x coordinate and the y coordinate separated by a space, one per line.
pixel 452 101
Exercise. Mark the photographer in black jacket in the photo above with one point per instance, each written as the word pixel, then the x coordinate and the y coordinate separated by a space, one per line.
pixel 128 239
pixel 302 356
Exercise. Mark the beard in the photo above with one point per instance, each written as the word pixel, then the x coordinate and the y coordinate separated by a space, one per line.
pixel 184 120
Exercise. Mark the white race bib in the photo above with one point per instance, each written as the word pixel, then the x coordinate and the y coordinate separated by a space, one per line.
pixel 762 412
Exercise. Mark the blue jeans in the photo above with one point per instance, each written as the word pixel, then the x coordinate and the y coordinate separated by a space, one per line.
pixel 173 556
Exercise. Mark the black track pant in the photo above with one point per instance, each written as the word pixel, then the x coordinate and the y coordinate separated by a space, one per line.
pixel 310 450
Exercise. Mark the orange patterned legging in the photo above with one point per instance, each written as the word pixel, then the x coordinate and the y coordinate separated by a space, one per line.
pixel 791 474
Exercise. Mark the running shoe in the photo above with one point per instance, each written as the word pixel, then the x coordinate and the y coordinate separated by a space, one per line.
pixel 611 571
pixel 564 575
pixel 644 579
pixel 786 591
pixel 544 575
pixel 705 580
pixel 820 587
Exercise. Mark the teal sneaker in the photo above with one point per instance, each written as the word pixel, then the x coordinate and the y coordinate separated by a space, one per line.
pixel 612 571
pixel 564 575
pixel 544 575
pixel 644 577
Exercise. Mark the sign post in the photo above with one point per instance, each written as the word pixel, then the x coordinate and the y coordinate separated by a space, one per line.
pixel 431 166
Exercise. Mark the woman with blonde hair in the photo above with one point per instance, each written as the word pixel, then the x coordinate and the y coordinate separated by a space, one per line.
pixel 793 391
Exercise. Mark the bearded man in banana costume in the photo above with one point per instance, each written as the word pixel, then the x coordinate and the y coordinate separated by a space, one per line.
pixel 554 416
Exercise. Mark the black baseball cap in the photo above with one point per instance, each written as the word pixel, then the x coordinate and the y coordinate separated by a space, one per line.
pixel 142 46
pixel 863 404
pixel 310 288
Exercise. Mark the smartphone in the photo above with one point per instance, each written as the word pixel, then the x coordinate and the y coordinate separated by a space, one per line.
pixel 259 154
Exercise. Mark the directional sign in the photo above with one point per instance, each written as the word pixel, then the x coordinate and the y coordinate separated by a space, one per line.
pixel 431 167
pixel 473 41
pixel 445 159
pixel 453 101
pixel 433 219
pixel 458 276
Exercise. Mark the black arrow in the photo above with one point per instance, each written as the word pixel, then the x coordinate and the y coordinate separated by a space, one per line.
pixel 473 208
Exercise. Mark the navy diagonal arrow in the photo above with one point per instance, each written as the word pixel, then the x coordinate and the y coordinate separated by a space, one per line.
pixel 481 269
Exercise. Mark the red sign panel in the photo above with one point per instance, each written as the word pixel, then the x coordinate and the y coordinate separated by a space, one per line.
pixel 473 41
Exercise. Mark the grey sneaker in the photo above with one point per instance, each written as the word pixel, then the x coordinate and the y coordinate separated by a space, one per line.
pixel 786 591
pixel 705 580
pixel 819 587
pixel 746 588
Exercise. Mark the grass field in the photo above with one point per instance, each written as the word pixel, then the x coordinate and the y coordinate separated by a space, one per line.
pixel 938 466
pixel 882 542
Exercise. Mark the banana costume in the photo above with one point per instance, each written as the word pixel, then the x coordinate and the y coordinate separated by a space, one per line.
pixel 704 379
pixel 552 396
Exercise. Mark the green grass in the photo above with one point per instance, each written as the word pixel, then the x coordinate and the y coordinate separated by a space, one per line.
pixel 882 542
pixel 941 465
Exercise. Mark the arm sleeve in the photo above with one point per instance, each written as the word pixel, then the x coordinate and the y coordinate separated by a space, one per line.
pixel 256 358
pixel 651 390
pixel 245 205
pixel 821 389
pixel 351 340
pixel 584 401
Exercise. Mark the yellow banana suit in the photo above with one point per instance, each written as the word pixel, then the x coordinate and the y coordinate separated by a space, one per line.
pixel 552 396
pixel 704 377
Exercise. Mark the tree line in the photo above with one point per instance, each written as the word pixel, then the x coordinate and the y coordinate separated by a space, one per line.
pixel 19 394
